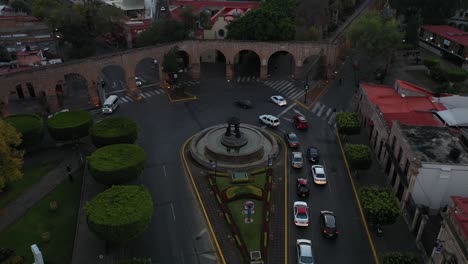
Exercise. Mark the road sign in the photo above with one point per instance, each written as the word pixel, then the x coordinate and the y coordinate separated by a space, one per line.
pixel 306 87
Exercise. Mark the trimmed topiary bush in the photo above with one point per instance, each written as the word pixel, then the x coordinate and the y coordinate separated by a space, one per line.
pixel 380 205
pixel 117 164
pixel 400 258
pixel 30 126
pixel 114 130
pixel 70 125
pixel 120 213
pixel 348 123
pixel 358 155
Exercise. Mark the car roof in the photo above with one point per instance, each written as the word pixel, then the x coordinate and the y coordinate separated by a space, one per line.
pixel 319 170
pixel 306 249
pixel 302 209
pixel 297 154
pixel 312 149
pixel 302 181
pixel 300 118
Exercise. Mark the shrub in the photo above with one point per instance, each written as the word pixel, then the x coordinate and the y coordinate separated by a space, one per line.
pixel 6 253
pixel 400 258
pixel 348 123
pixel 117 164
pixel 242 191
pixel 120 213
pixel 438 74
pixel 431 62
pixel 70 125
pixel 456 75
pixel 358 155
pixel 380 205
pixel 114 130
pixel 30 126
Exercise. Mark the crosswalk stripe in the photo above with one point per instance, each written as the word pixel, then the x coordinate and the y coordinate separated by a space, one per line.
pixel 316 106
pixel 328 112
pixel 332 118
pixel 238 79
pixel 285 88
pixel 123 99
pixel 296 95
pixel 162 91
pixel 278 84
pixel 248 78
pixel 142 95
pixel 321 110
pixel 152 92
pixel 268 83
pixel 128 98
pixel 157 91
pixel 148 94
pixel 290 91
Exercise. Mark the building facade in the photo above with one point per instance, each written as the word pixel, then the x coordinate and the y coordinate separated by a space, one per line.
pixel 449 42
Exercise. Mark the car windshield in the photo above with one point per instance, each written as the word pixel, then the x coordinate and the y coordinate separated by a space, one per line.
pixel 293 137
pixel 106 106
pixel 297 159
pixel 302 216
pixel 313 151
pixel 307 259
pixel 320 175
pixel 330 220
pixel 280 99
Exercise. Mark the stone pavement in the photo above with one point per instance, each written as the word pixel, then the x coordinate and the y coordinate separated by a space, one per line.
pixel 224 236
pixel 46 184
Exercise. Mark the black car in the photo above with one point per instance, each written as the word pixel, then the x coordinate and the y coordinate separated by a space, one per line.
pixel 328 224
pixel 313 154
pixel 302 187
pixel 244 104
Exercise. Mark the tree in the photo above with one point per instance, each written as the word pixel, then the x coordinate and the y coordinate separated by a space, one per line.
pixel 348 123
pixel 400 258
pixel 170 64
pixel 31 128
pixel 188 20
pixel 162 31
pixel 412 30
pixel 380 205
pixel 431 62
pixel 120 213
pixel 432 11
pixel 21 6
pixel 272 21
pixel 11 159
pixel 456 75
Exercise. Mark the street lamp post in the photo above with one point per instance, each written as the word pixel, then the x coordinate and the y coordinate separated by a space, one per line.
pixel 306 88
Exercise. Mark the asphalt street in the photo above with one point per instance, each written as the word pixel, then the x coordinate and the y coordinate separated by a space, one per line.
pixel 178 233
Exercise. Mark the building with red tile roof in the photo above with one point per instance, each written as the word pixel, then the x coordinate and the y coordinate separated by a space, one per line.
pixel 445 39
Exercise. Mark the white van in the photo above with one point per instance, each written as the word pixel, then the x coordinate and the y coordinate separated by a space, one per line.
pixel 111 103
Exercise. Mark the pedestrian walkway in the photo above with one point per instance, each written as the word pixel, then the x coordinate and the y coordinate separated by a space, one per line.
pixel 286 88
pixel 327 113
pixel 246 79
pixel 16 209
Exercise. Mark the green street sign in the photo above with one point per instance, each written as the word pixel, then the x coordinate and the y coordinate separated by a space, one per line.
pixel 306 87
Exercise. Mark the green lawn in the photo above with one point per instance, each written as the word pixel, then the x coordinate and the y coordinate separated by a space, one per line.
pixel 31 175
pixel 225 182
pixel 61 224
pixel 250 233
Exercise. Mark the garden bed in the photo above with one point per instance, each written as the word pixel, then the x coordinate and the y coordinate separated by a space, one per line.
pixel 251 233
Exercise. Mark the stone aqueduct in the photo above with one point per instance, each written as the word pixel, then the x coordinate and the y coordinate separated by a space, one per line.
pixel 45 79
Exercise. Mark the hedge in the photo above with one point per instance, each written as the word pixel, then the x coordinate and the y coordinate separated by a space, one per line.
pixel 30 126
pixel 379 205
pixel 240 191
pixel 358 155
pixel 70 125
pixel 348 123
pixel 117 164
pixel 120 213
pixel 400 258
pixel 431 62
pixel 114 130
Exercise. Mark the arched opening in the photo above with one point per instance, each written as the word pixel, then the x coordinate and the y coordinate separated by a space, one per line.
pixel 246 66
pixel 281 64
pixel 74 94
pixel 115 81
pixel 212 64
pixel 147 72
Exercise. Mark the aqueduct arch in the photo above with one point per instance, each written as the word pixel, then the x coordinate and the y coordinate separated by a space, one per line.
pixel 45 78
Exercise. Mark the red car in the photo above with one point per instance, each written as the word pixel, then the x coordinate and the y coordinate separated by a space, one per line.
pixel 300 122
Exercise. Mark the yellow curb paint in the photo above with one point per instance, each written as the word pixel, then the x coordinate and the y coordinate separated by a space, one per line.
pixel 315 100
pixel 180 100
pixel 301 104
pixel 369 237
pixel 213 236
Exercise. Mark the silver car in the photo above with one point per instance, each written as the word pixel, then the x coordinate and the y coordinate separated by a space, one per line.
pixel 304 252
pixel 296 160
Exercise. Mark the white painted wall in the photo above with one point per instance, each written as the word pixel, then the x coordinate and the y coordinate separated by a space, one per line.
pixel 435 184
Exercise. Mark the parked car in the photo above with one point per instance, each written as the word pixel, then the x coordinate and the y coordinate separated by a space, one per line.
pixel 313 154
pixel 296 160
pixel 302 186
pixel 292 139
pixel 279 100
pixel 300 122
pixel 305 254
pixel 269 120
pixel 328 224
pixel 318 173
pixel 244 104
pixel 301 214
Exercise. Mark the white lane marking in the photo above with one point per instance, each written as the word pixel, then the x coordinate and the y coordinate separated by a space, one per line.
pixel 287 109
pixel 268 83
pixel 113 84
pixel 297 95
pixel 173 212
pixel 123 99
pixel 164 171
pixel 152 92
pixel 157 91
pixel 328 112
pixel 316 106
pixel 148 94
pixel 298 112
pixel 149 85
pixel 142 95
pixel 201 233
pixel 321 110
pixel 128 98
pixel 209 256
pixel 291 91
pixel 162 91
pixel 286 87
pixel 238 79
pixel 279 84
pixel 332 118
pixel 287 119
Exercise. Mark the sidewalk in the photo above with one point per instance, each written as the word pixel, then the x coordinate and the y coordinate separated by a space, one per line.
pixel 14 210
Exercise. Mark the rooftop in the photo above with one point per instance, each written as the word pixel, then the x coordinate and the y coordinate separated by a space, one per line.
pixel 448 32
pixel 460 212
pixel 433 144
pixel 409 110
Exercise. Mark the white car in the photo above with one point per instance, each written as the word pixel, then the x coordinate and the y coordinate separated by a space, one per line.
pixel 279 100
pixel 269 120
pixel 304 251
pixel 138 81
pixel 318 172
pixel 301 214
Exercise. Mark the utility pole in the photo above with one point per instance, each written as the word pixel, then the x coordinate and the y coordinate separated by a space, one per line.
pixel 306 88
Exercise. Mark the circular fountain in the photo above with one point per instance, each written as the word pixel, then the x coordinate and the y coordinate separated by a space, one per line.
pixel 234 146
